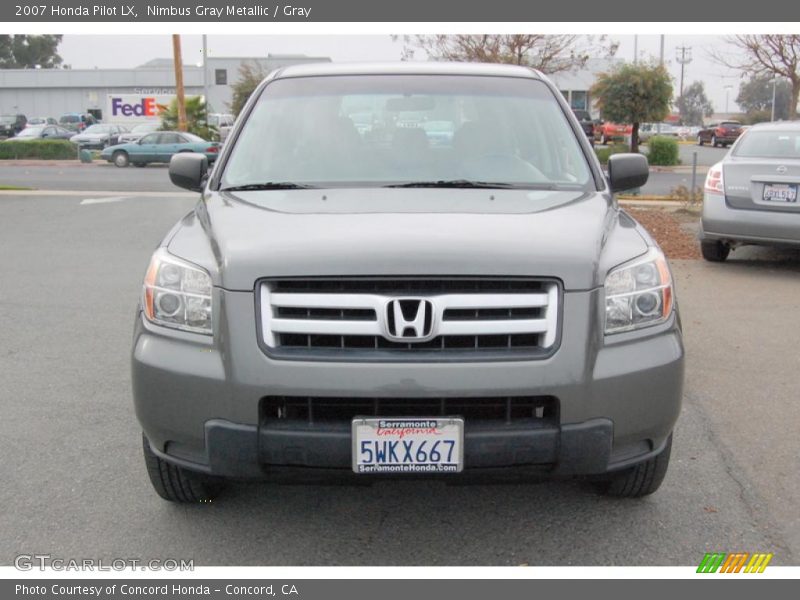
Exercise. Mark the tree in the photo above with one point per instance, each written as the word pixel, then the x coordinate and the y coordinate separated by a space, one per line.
pixel 29 51
pixel 196 117
pixel 548 53
pixel 633 93
pixel 251 73
pixel 694 105
pixel 770 55
pixel 755 97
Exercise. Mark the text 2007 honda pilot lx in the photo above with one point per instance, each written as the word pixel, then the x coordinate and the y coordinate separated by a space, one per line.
pixel 400 270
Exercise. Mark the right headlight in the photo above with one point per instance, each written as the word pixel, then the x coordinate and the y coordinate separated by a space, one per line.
pixel 639 293
pixel 177 294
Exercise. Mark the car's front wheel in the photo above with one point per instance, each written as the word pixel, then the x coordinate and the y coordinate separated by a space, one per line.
pixel 120 159
pixel 177 484
pixel 714 250
pixel 714 141
pixel 700 141
pixel 640 480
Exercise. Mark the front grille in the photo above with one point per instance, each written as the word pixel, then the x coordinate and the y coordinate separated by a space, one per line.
pixel 508 410
pixel 371 318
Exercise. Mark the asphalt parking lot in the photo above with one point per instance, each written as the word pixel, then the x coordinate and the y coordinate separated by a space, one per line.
pixel 75 486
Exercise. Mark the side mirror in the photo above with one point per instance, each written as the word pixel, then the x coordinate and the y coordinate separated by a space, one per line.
pixel 188 170
pixel 627 171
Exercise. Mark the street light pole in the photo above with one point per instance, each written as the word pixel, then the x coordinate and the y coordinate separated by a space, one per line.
pixel 728 88
pixel 205 73
pixel 774 84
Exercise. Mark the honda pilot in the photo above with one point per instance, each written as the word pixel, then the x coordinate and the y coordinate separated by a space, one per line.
pixel 374 300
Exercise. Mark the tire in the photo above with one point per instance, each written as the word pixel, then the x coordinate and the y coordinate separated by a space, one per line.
pixel 700 141
pixel 605 140
pixel 640 480
pixel 177 484
pixel 120 159
pixel 714 141
pixel 714 251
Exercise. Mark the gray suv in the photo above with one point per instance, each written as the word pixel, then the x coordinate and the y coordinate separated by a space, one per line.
pixel 370 301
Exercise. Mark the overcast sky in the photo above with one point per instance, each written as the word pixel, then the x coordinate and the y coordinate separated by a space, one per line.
pixel 101 51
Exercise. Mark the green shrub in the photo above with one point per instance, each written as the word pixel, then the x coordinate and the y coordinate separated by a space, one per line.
pixel 663 151
pixel 38 149
pixel 604 152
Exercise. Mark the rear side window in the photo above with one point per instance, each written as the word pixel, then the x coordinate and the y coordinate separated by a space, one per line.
pixel 373 130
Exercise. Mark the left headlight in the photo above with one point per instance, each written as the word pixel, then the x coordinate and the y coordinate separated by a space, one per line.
pixel 639 293
pixel 177 294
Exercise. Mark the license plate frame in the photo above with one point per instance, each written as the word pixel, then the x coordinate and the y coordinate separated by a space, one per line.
pixel 790 188
pixel 391 436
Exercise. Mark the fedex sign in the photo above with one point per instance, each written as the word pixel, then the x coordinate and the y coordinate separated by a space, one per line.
pixel 121 108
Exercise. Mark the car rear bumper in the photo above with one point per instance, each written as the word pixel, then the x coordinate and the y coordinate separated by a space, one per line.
pixel 722 222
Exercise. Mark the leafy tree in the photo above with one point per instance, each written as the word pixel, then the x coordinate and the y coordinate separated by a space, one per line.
pixel 694 105
pixel 29 51
pixel 755 97
pixel 196 117
pixel 548 53
pixel 770 55
pixel 251 73
pixel 633 93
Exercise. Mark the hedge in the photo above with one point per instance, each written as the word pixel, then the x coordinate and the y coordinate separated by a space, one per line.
pixel 663 151
pixel 606 151
pixel 38 149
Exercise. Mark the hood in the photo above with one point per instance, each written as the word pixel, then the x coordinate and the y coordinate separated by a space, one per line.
pixel 90 136
pixel 242 237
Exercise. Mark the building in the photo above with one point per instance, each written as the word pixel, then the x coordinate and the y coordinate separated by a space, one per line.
pixel 575 85
pixel 53 92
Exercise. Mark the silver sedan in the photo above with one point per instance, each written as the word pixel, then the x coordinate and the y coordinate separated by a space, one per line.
pixel 751 195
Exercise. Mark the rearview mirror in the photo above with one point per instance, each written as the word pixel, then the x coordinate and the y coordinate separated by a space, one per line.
pixel 627 171
pixel 188 170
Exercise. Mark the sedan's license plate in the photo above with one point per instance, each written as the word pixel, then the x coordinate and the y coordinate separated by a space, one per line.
pixel 780 192
pixel 408 445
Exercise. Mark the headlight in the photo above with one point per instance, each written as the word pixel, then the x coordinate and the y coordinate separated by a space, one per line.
pixel 638 294
pixel 177 294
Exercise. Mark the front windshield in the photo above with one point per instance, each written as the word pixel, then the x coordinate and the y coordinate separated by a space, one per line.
pixel 30 132
pixel 97 129
pixel 399 129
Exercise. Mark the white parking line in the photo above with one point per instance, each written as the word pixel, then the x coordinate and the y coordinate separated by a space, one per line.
pixel 104 200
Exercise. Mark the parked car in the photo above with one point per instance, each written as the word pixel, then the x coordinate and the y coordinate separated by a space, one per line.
pixel 722 133
pixel 587 123
pixel 338 305
pixel 606 132
pixel 138 132
pixel 649 130
pixel 43 132
pixel 222 122
pixel 76 121
pixel 11 125
pixel 98 136
pixel 41 121
pixel 159 147
pixel 751 195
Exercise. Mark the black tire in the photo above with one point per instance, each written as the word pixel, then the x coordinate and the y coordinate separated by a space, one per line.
pixel 120 159
pixel 714 141
pixel 714 251
pixel 605 140
pixel 641 480
pixel 700 141
pixel 177 484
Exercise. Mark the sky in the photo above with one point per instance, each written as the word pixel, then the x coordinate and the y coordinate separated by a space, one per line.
pixel 122 51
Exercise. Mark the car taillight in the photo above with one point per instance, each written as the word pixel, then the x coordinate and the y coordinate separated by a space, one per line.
pixel 714 183
pixel 212 149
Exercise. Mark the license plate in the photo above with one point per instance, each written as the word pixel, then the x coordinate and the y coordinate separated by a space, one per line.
pixel 408 445
pixel 780 192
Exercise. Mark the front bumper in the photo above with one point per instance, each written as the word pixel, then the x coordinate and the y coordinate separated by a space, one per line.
pixel 198 398
pixel 762 227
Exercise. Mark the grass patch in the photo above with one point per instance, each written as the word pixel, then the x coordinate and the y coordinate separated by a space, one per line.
pixel 15 188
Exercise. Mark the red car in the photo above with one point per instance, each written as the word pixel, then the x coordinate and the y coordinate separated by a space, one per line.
pixel 722 133
pixel 607 131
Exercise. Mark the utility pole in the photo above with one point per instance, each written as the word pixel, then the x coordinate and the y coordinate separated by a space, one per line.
pixel 179 91
pixel 635 49
pixel 683 54
pixel 774 84
pixel 728 89
pixel 205 73
pixel 660 62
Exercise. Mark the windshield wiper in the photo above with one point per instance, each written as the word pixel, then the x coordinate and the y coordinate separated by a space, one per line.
pixel 269 185
pixel 459 183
